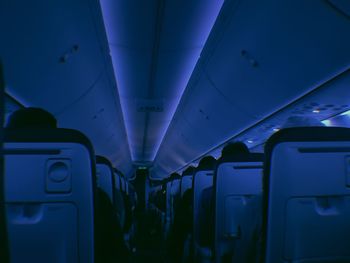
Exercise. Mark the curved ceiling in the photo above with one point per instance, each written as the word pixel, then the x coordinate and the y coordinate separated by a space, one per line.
pixel 157 83
pixel 155 46
pixel 55 56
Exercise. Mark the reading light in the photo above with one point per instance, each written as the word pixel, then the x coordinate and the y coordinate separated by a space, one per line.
pixel 316 111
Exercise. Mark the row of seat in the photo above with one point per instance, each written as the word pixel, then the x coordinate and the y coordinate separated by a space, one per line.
pixel 63 204
pixel 290 204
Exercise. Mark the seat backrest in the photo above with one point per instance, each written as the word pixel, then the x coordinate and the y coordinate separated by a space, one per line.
pixel 307 195
pixel 186 183
pixel 123 184
pixel 174 197
pixel 237 180
pixel 119 199
pixel 49 195
pixel 202 179
pixel 168 209
pixel 4 257
pixel 105 177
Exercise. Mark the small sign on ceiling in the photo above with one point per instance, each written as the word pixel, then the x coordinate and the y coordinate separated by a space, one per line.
pixel 144 105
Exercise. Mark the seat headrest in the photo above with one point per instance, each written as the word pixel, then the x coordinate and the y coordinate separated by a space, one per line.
pixel 307 134
pixel 251 157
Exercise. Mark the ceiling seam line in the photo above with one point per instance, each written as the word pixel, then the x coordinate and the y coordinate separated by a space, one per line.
pixel 153 70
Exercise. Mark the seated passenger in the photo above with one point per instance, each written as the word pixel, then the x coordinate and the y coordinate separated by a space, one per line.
pixel 207 163
pixel 206 216
pixel 235 148
pixel 181 228
pixel 31 118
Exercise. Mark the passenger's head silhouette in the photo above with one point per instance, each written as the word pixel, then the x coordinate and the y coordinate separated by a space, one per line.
pixel 31 118
pixel 174 176
pixel 207 162
pixel 234 149
pixel 189 171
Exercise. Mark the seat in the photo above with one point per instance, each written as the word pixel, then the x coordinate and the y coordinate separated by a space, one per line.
pixel 186 180
pixel 105 177
pixel 119 199
pixel 237 181
pixel 307 195
pixel 168 209
pixel 174 195
pixel 49 195
pixel 202 214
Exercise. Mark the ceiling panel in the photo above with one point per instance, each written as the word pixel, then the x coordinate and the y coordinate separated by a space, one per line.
pixel 55 57
pixel 155 46
pixel 37 37
pixel 260 57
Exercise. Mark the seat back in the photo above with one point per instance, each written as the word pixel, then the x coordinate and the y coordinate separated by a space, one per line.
pixel 174 197
pixel 168 209
pixel 105 177
pixel 119 199
pixel 202 180
pixel 186 183
pixel 238 179
pixel 307 195
pixel 49 195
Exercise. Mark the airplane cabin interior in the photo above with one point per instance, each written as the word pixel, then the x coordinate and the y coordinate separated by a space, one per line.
pixel 175 131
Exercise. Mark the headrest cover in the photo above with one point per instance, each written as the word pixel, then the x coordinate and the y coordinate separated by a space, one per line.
pixel 29 118
pixel 305 134
pixel 235 148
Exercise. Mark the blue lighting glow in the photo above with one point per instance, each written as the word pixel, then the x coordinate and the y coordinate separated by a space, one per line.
pixel 130 33
pixel 346 113
pixel 327 122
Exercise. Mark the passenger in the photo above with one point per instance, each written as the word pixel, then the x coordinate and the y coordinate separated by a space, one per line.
pixel 206 218
pixel 109 243
pixel 235 148
pixel 207 163
pixel 189 170
pixel 28 118
pixel 181 228
pixel 206 210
